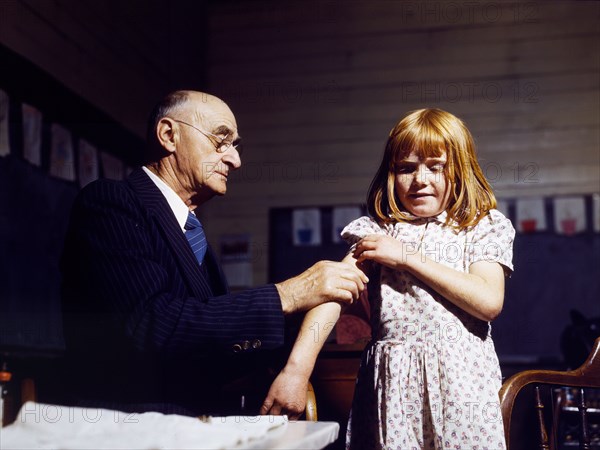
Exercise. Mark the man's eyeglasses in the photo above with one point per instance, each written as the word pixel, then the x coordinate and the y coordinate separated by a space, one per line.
pixel 222 145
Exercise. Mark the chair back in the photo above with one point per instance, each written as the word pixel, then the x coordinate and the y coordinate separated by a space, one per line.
pixel 570 391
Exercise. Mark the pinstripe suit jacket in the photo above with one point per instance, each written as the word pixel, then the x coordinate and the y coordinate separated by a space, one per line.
pixel 146 327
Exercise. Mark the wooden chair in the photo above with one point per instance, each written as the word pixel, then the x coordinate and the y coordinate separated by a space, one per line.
pixel 586 376
pixel 311 404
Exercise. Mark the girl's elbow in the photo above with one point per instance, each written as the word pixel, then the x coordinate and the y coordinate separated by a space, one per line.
pixel 493 310
pixel 492 315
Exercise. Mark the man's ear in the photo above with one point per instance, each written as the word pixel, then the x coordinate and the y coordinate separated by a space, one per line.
pixel 165 134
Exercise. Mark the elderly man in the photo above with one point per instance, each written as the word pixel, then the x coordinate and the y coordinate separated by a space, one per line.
pixel 149 322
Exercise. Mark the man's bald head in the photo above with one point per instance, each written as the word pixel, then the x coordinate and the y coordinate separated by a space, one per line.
pixel 182 102
pixel 177 101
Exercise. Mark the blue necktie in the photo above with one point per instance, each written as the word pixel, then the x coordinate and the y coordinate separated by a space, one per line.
pixel 196 237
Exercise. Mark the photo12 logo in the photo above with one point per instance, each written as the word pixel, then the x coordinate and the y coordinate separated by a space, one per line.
pixel 467 12
pixel 470 91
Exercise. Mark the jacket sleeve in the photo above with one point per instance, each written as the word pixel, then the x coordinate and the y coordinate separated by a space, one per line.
pixel 120 276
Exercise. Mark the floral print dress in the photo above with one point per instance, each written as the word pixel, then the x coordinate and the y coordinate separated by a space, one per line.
pixel 430 377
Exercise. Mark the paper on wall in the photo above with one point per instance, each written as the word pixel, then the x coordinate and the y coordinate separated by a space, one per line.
pixel 62 159
pixel 88 163
pixel 569 215
pixel 32 134
pixel 530 215
pixel 342 216
pixel 306 226
pixel 596 212
pixel 4 142
pixel 236 259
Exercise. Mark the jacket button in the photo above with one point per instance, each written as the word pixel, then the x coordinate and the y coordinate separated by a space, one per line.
pixel 256 343
pixel 246 345
pixel 236 348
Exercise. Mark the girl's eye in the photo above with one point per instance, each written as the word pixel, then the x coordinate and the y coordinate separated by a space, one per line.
pixel 404 169
pixel 437 168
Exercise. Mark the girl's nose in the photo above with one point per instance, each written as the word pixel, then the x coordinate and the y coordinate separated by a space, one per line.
pixel 423 174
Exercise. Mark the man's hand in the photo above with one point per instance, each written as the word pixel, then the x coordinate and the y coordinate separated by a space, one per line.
pixel 323 282
pixel 287 395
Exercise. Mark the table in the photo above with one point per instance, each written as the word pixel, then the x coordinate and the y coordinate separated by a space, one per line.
pixel 45 426
pixel 298 435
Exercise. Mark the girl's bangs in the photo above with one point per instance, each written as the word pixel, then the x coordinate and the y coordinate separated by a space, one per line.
pixel 424 140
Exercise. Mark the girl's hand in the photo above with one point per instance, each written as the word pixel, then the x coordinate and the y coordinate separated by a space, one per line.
pixel 384 250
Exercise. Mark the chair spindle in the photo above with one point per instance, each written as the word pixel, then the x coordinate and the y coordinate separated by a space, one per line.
pixel 539 406
pixel 584 439
pixel 585 376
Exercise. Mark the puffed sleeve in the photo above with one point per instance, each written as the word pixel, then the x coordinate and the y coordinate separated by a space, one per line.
pixel 492 240
pixel 359 228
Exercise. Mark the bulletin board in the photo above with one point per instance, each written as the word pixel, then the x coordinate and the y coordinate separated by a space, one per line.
pixel 287 259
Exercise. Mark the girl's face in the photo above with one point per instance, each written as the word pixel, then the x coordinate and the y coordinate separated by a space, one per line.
pixel 421 184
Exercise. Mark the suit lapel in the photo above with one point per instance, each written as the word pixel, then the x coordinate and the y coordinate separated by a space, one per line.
pixel 155 203
pixel 215 274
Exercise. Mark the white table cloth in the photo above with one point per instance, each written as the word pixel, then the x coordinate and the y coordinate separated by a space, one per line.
pixel 43 426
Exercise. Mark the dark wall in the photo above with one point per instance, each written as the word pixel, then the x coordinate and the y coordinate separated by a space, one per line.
pixel 34 210
pixel 34 206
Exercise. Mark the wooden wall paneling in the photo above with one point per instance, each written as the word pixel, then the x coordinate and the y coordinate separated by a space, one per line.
pixel 322 20
pixel 299 46
pixel 502 98
pixel 323 86
pixel 120 56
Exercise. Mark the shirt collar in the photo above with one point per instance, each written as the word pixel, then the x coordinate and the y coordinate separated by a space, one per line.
pixel 441 217
pixel 179 208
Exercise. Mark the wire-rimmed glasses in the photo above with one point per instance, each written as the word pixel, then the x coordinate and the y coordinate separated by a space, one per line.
pixel 222 145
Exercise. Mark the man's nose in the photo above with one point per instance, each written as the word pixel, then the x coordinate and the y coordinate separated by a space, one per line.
pixel 232 158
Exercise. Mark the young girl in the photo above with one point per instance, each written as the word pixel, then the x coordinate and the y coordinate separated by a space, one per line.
pixel 436 252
